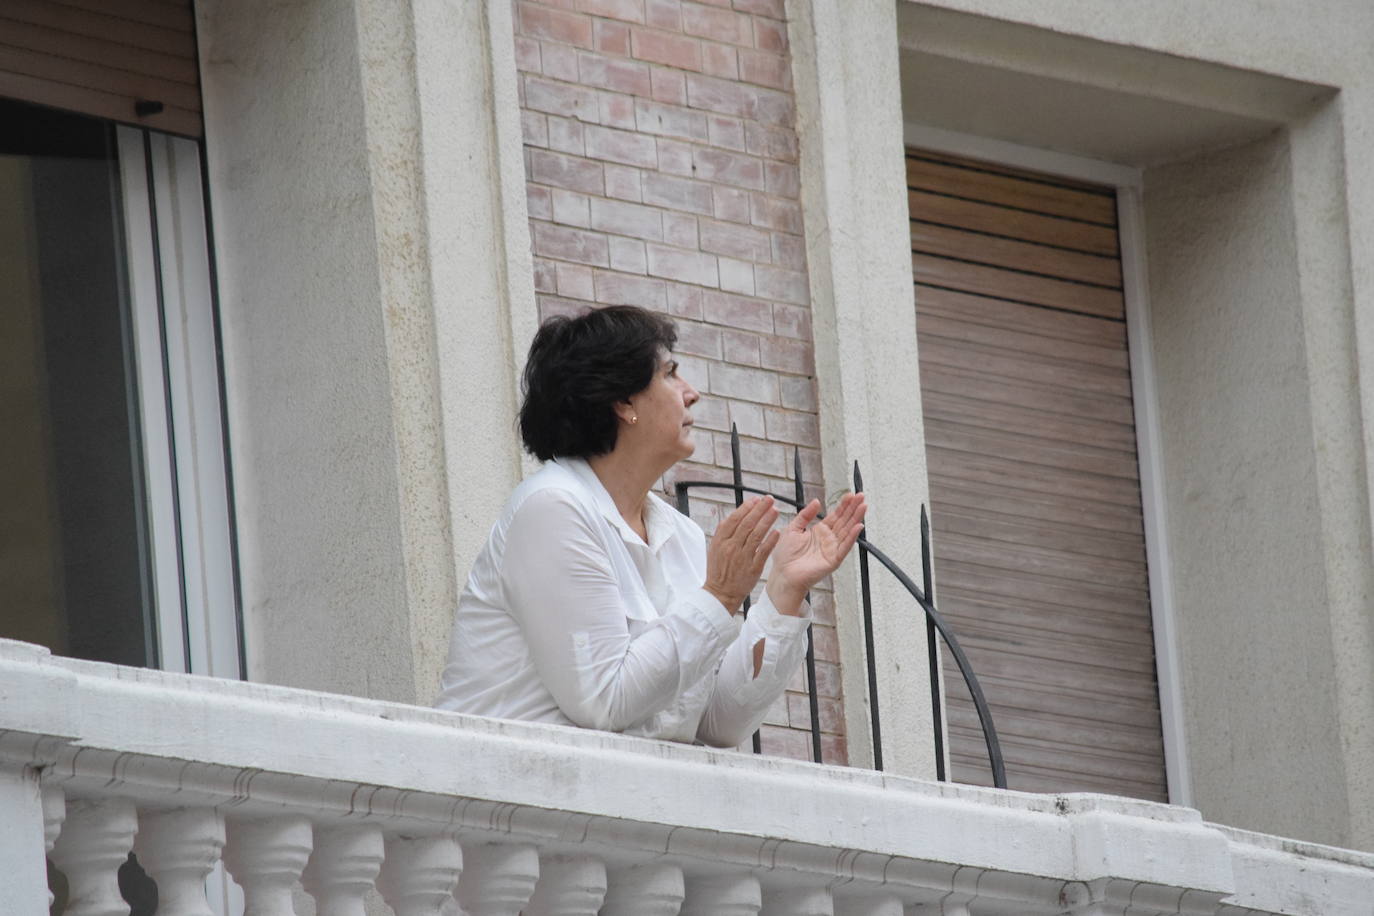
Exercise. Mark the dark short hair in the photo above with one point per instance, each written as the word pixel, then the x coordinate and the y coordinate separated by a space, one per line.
pixel 579 369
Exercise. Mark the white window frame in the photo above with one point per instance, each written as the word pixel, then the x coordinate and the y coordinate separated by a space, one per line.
pixel 190 526
pixel 1135 288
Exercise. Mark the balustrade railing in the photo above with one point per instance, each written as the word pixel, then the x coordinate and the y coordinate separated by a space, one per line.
pixel 923 595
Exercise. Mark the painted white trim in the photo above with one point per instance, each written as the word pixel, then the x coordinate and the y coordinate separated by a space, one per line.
pixel 1063 165
pixel 1135 288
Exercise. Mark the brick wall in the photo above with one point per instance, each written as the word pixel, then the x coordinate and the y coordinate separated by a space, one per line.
pixel 662 171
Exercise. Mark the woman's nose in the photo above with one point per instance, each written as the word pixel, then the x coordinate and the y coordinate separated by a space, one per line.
pixel 689 394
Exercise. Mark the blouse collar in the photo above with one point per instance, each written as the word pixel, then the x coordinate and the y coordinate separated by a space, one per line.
pixel 658 515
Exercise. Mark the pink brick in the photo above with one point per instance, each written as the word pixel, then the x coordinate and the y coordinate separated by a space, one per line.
pixel 534 128
pixel 770 35
pixel 614 73
pixel 792 321
pixel 740 99
pixel 560 99
pixel 665 48
pixel 621 146
pixel 527 54
pixel 799 713
pixel 827 647
pixel 681 265
pixel 771 142
pixel 789 251
pixel 544 276
pixel 785 742
pixel 611 37
pixel 719 60
pixel 625 289
pixel 775 213
pixel 668 85
pixel 731 204
pixel 566 172
pixel 627 219
pixel 823 609
pixel 736 276
pixel 798 392
pixel 554 305
pixel 674 157
pixel 773 8
pixel 743 348
pixel 730 168
pixel 792 426
pixel 669 120
pixel 716 24
pixel 782 284
pixel 782 179
pixel 570 5
pixel 617 110
pixel 737 311
pixel 681 230
pixel 556 25
pixel 765 68
pixel 747 418
pixel 759 457
pixel 663 14
pixel 726 132
pixel 787 355
pixel 627 255
pixel 735 241
pixel 712 413
pixel 574 281
pixel 628 10
pixel 685 301
pixel 539 200
pixel 570 208
pixel 623 183
pixel 678 193
pixel 560 62
pixel 565 135
pixel 698 339
pixel 570 244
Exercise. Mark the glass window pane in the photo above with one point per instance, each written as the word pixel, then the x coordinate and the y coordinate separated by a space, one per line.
pixel 73 556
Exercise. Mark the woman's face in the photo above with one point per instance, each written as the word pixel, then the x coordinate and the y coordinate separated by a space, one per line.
pixel 663 408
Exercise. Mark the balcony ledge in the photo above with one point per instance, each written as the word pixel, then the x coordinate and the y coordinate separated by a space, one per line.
pixel 165 740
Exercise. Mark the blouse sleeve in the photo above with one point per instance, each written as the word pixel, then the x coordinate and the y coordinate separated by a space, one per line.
pixel 560 587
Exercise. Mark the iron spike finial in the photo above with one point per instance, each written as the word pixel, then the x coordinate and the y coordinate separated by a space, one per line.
pixel 858 479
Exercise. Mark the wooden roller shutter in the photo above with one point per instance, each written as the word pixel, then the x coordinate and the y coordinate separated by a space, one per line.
pixel 127 60
pixel 1035 495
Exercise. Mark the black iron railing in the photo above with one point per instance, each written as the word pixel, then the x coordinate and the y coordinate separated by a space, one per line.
pixel 934 622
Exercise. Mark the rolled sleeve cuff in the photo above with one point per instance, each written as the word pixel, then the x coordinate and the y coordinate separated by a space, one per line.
pixel 724 625
pixel 766 617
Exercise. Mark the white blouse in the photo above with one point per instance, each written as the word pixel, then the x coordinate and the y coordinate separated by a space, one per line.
pixel 569 617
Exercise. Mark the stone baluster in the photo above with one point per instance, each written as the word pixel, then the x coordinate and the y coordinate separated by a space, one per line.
pixel 266 857
pixel 498 878
pixel 95 841
pixel 420 873
pixel 342 866
pixel 722 895
pixel 54 813
pixel 178 848
pixel 568 886
pixel 648 890
pixel 875 905
pixel 798 901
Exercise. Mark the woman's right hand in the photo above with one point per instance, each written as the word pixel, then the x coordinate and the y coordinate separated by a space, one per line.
pixel 739 549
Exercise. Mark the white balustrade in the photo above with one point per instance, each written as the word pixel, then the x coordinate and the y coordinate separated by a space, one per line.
pixel 266 856
pixel 420 873
pixel 568 886
pixel 177 849
pixel 646 890
pixel 801 901
pixel 54 813
pixel 343 866
pixel 722 895
pixel 498 878
pixel 876 905
pixel 95 841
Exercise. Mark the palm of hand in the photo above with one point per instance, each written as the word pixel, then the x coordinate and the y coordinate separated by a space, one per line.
pixel 809 549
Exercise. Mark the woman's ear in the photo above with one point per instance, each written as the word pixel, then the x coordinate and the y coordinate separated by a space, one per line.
pixel 626 412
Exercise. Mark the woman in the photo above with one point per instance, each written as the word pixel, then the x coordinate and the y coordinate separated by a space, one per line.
pixel 593 602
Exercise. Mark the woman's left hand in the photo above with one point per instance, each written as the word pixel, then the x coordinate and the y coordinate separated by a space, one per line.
pixel 809 550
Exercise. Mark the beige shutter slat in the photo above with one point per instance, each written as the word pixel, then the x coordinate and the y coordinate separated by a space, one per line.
pixel 101 59
pixel 1031 451
pixel 1006 221
pixel 1015 255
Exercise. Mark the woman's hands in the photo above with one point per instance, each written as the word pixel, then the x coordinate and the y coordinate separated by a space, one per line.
pixel 738 550
pixel 807 552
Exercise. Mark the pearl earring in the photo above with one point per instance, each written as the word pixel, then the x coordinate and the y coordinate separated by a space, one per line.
pixel 634 419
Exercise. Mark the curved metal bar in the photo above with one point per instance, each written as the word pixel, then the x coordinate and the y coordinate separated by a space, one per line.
pixel 980 703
